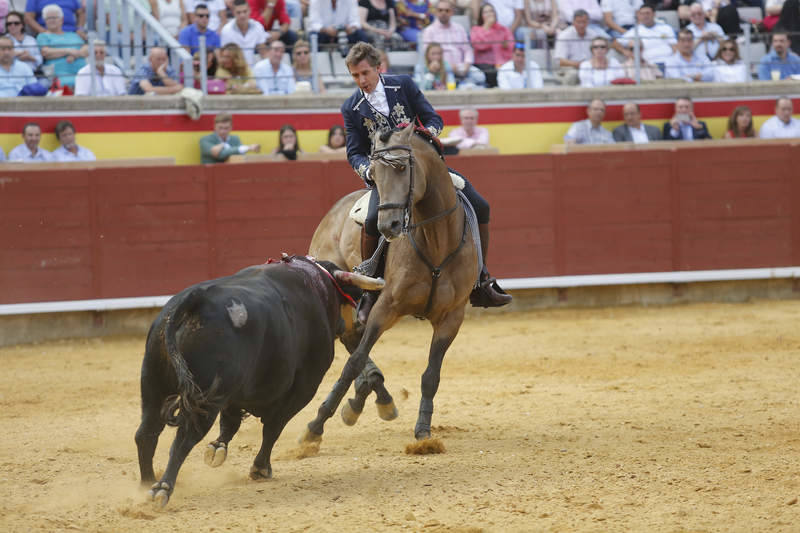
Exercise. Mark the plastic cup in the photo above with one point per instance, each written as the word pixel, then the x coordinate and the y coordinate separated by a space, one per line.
pixel 776 75
pixel 451 86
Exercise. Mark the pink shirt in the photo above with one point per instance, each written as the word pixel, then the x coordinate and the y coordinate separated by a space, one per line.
pixel 454 41
pixel 479 136
pixel 488 44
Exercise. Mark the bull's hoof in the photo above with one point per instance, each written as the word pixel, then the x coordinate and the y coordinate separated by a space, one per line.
pixel 387 411
pixel 309 436
pixel 216 453
pixel 349 413
pixel 260 474
pixel 159 493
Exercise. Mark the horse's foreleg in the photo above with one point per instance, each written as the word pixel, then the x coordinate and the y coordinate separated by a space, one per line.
pixel 370 379
pixel 352 368
pixel 443 335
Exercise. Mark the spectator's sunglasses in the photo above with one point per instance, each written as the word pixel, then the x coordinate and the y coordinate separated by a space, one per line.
pixel 201 15
pixel 13 23
pixel 728 49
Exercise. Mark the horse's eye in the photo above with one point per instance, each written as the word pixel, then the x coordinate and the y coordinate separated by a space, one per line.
pixel 401 168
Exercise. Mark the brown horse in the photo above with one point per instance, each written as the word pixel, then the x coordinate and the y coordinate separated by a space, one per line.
pixel 431 267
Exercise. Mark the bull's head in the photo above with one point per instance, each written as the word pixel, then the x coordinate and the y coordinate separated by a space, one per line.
pixel 393 173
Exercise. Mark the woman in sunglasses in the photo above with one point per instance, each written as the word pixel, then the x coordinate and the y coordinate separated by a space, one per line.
pixel 301 62
pixel 728 66
pixel 25 47
pixel 600 69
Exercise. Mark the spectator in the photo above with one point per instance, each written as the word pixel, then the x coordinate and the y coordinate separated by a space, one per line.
pixel 619 15
pixel 336 141
pixel 772 10
pixel 108 78
pixel 69 149
pixel 328 20
pixel 273 76
pixel 780 63
pixel 708 35
pixel 591 130
pixel 72 12
pixel 379 20
pixel 29 151
pixel 385 66
pixel 436 73
pixel 542 17
pixel 64 50
pixel 728 67
pixel 469 134
pixel 599 70
pixel 685 63
pixel 25 47
pixel 288 146
pixel 268 12
pixel 512 74
pixel 658 39
pixel 156 76
pixel 782 125
pixel 567 9
pixel 740 123
pixel 508 13
pixel 217 147
pixel 233 68
pixel 14 74
pixel 243 31
pixel 455 44
pixel 412 17
pixel 789 22
pixel 684 126
pixel 189 36
pixel 217 13
pixel 647 71
pixel 633 130
pixel 493 43
pixel 301 63
pixel 573 46
pixel 172 15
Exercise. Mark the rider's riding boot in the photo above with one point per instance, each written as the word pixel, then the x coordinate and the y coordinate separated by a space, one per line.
pixel 488 293
pixel 369 244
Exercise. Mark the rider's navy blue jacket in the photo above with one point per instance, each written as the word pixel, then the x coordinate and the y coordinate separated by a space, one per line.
pixel 361 120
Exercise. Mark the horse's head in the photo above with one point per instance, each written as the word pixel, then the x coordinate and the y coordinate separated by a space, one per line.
pixel 398 179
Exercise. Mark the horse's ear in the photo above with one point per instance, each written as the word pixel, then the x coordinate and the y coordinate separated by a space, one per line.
pixel 407 132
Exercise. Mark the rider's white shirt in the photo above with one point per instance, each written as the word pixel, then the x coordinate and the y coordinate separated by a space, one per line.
pixel 377 98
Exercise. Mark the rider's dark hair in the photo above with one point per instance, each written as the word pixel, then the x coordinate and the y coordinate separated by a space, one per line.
pixel 361 51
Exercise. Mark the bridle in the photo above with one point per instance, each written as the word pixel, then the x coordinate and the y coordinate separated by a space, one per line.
pixel 385 157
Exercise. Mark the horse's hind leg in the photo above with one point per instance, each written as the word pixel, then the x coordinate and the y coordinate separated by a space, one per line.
pixel 443 335
pixel 217 451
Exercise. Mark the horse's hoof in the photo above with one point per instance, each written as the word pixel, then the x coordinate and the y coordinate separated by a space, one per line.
pixel 422 434
pixel 260 474
pixel 159 493
pixel 309 436
pixel 387 411
pixel 216 453
pixel 349 414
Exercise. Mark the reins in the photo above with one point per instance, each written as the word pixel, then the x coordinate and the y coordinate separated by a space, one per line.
pixel 384 156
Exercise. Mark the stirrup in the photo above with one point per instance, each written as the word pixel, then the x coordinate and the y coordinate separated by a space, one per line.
pixel 489 294
pixel 369 266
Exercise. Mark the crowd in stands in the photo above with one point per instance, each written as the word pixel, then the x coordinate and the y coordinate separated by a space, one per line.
pixel 466 44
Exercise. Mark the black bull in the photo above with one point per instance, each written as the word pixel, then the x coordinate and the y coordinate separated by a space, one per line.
pixel 258 342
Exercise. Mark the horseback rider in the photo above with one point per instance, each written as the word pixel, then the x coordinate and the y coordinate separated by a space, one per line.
pixel 382 102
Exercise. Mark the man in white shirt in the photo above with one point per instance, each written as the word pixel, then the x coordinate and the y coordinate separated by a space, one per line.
pixel 567 9
pixel 619 15
pixel 685 63
pixel 573 46
pixel 29 151
pixel 658 39
pixel 707 35
pixel 512 75
pixel 273 76
pixel 108 78
pixel 327 20
pixel 469 134
pixel 782 125
pixel 591 130
pixel 633 130
pixel 69 149
pixel 243 31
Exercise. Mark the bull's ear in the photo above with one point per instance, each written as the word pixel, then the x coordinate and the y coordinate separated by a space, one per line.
pixel 359 280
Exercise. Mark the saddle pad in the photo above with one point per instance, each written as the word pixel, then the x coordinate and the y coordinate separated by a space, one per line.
pixel 359 210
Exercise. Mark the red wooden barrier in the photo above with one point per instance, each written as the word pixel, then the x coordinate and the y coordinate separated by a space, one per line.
pixel 115 232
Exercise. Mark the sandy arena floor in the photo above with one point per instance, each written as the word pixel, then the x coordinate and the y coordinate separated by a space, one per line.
pixel 628 419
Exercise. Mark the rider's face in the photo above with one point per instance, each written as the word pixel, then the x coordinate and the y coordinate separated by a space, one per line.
pixel 365 75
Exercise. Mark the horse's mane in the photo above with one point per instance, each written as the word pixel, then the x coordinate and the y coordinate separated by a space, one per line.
pixel 421 132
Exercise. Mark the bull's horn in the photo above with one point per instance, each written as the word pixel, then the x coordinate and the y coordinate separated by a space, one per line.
pixel 359 280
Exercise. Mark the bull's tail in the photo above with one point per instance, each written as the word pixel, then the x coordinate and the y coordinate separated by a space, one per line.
pixel 191 403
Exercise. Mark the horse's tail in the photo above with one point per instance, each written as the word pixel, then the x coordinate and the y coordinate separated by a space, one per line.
pixel 191 402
